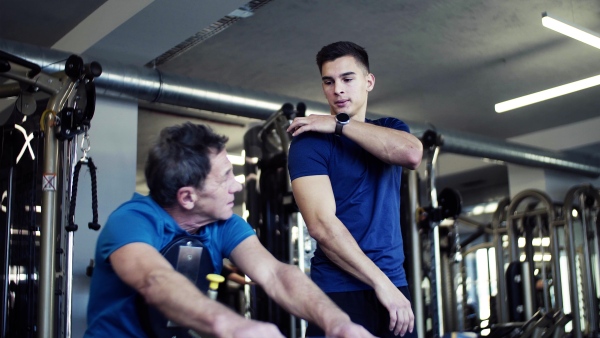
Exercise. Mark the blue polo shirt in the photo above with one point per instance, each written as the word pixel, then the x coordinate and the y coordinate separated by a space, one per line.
pixel 112 304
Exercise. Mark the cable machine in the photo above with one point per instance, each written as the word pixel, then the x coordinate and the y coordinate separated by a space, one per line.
pixel 542 263
pixel 582 244
pixel 271 209
pixel 446 204
pixel 36 261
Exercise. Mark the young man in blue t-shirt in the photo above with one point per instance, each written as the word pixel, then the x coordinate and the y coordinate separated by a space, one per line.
pixel 345 171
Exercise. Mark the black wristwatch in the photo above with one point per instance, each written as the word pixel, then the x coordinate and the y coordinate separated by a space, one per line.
pixel 341 120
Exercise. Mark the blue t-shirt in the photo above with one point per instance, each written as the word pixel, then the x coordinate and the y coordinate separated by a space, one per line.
pixel 112 307
pixel 367 199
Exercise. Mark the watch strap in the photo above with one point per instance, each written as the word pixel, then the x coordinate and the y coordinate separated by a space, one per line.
pixel 338 128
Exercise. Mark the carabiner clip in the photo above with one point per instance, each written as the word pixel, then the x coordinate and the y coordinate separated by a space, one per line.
pixel 85 140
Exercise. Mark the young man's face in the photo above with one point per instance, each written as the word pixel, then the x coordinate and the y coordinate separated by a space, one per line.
pixel 346 85
pixel 216 197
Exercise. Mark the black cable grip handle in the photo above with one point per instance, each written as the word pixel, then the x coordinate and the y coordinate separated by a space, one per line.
pixel 94 223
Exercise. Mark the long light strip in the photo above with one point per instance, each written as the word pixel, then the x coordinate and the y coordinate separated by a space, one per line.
pixel 571 30
pixel 547 94
pixel 574 32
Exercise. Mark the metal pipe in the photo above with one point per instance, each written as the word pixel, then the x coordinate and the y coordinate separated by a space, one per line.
pixel 10 89
pixel 68 295
pixel 498 230
pixel 481 146
pixel 437 299
pixel 50 225
pixel 528 268
pixel 591 300
pixel 594 260
pixel 127 81
pixel 301 226
pixel 585 272
pixel 6 252
pixel 555 249
pixel 48 231
pixel 574 289
pixel 473 249
pixel 151 85
pixel 292 249
pixel 546 292
pixel 527 292
pixel 483 228
pixel 416 273
pixel 448 295
pixel 68 167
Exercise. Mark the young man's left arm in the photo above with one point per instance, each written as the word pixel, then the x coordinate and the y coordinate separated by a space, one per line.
pixel 293 290
pixel 389 145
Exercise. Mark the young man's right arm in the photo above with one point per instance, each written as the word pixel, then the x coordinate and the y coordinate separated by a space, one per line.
pixel 316 202
pixel 142 267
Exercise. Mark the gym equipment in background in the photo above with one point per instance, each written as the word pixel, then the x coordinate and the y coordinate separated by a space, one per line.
pixel 37 258
pixel 272 211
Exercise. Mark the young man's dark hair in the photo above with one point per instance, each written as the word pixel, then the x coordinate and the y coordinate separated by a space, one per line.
pixel 342 48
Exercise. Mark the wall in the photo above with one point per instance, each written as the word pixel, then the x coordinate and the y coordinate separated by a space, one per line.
pixel 113 140
pixel 555 184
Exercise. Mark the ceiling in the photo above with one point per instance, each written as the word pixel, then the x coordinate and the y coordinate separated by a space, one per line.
pixel 437 62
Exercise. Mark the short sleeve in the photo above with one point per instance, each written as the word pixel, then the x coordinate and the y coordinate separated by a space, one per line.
pixel 232 233
pixel 391 122
pixel 125 227
pixel 308 155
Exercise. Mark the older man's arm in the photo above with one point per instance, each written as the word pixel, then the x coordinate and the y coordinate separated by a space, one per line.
pixel 294 291
pixel 142 267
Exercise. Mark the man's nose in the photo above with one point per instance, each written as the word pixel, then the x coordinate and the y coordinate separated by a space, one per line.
pixel 237 186
pixel 338 87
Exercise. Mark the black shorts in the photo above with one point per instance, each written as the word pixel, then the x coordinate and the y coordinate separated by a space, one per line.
pixel 364 308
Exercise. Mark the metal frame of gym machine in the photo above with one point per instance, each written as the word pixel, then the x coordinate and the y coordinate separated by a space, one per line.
pixel 446 204
pixel 549 320
pixel 588 205
pixel 71 102
pixel 271 208
pixel 511 220
pixel 523 221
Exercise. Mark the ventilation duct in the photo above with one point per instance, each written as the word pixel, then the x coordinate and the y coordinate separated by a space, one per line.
pixel 510 152
pixel 127 81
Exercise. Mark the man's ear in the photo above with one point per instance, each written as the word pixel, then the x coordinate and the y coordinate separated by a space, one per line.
pixel 186 197
pixel 370 82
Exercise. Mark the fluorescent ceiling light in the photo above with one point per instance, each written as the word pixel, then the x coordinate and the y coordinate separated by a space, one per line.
pixel 547 94
pixel 575 32
pixel 571 30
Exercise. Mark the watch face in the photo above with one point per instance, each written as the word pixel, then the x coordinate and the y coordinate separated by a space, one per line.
pixel 342 117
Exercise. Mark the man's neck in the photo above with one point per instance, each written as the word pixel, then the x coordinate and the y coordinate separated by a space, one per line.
pixel 188 222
